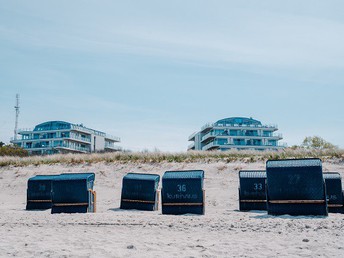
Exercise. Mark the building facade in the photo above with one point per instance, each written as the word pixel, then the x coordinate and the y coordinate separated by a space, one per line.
pixel 63 137
pixel 236 133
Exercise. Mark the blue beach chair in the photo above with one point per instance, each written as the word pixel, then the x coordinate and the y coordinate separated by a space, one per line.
pixel 252 194
pixel 39 192
pixel 296 187
pixel 182 192
pixel 140 192
pixel 334 192
pixel 73 193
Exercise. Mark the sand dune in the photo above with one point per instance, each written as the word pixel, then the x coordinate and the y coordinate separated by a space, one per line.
pixel 111 232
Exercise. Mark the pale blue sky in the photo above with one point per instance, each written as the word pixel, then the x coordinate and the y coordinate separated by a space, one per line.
pixel 153 72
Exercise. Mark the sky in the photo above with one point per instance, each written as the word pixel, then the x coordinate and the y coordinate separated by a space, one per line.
pixel 154 72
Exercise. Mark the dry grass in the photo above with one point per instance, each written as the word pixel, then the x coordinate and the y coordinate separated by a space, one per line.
pixel 158 157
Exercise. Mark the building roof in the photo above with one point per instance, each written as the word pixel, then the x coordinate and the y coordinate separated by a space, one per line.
pixel 239 121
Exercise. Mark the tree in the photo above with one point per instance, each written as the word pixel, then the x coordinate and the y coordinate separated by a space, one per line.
pixel 316 142
pixel 2 144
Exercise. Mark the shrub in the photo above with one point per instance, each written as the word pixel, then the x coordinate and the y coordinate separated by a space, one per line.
pixel 154 157
pixel 12 150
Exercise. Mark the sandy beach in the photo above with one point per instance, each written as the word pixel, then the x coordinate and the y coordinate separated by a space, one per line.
pixel 222 232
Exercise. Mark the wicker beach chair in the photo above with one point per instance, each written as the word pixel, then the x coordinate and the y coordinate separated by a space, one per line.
pixel 39 192
pixel 334 192
pixel 73 193
pixel 140 192
pixel 296 187
pixel 182 192
pixel 252 194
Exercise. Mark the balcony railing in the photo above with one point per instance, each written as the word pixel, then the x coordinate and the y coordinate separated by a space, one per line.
pixel 72 136
pixel 282 144
pixel 192 136
pixel 72 147
pixel 81 129
pixel 241 145
pixel 37 139
pixel 210 145
pixel 111 137
pixel 266 146
pixel 24 130
pixel 112 146
pixel 211 133
pixel 55 138
pixel 275 135
pixel 57 146
pixel 38 147
pixel 95 132
pixel 191 146
pixel 209 125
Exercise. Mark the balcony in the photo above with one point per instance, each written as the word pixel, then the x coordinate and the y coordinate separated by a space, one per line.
pixel 113 138
pixel 191 146
pixel 71 136
pixel 209 135
pixel 211 145
pixel 72 147
pixel 79 138
pixel 60 146
pixel 212 134
pixel 21 130
pixel 112 147
pixel 31 130
pixel 211 125
pixel 207 127
pixel 37 147
pixel 81 129
pixel 192 136
pixel 242 145
pixel 277 135
pixel 282 144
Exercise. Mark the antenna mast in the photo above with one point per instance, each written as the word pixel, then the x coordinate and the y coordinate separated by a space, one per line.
pixel 17 115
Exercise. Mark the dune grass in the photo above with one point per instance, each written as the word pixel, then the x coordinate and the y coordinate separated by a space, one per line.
pixel 159 157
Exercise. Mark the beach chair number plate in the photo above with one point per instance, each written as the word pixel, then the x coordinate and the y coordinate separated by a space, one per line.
pixel 258 187
pixel 181 188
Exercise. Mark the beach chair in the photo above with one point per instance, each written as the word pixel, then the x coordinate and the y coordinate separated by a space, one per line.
pixel 182 192
pixel 252 194
pixel 334 192
pixel 39 192
pixel 140 192
pixel 295 187
pixel 73 193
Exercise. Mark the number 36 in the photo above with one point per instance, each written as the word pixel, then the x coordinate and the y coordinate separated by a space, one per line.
pixel 181 188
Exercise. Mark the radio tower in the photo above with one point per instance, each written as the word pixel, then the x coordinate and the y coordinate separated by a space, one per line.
pixel 17 115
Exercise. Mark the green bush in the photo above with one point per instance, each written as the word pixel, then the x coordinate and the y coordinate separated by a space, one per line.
pixel 12 150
